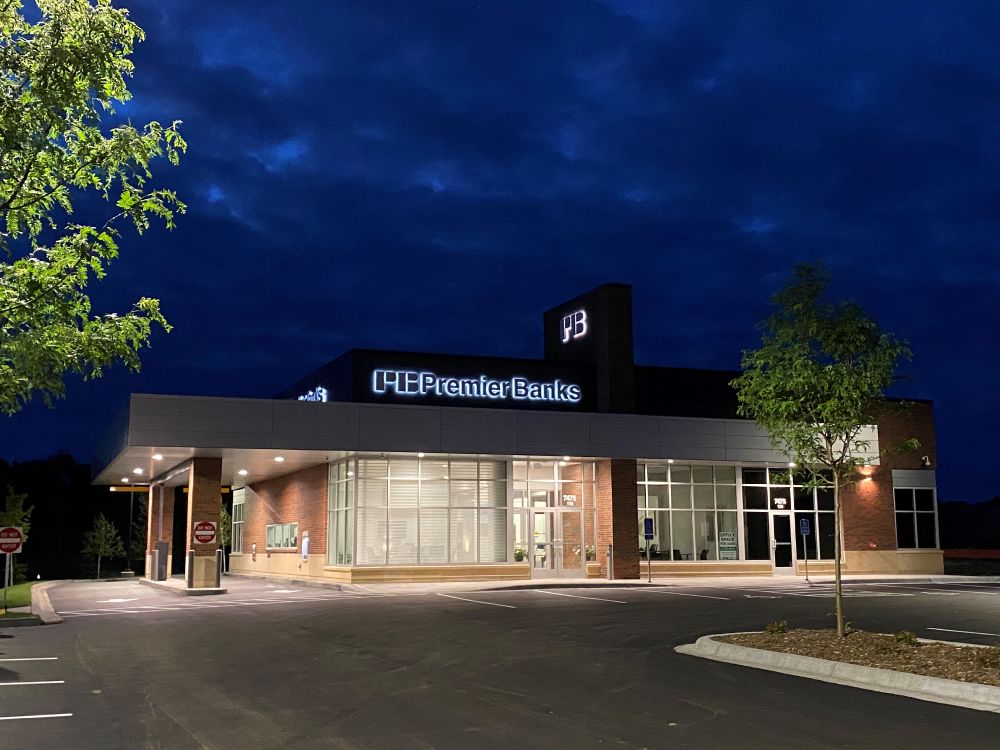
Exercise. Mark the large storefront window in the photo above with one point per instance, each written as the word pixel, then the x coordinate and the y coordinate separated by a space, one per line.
pixel 768 491
pixel 425 511
pixel 340 508
pixel 693 510
pixel 916 519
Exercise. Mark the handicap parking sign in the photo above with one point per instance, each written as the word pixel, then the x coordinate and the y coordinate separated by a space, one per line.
pixel 647 526
pixel 804 529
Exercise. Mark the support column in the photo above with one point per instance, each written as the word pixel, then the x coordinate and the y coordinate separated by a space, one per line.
pixel 204 499
pixel 159 525
pixel 618 517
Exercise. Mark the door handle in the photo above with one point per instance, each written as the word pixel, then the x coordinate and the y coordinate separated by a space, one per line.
pixel 774 544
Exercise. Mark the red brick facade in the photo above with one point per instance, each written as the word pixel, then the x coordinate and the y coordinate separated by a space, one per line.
pixel 617 517
pixel 204 493
pixel 160 529
pixel 293 498
pixel 869 513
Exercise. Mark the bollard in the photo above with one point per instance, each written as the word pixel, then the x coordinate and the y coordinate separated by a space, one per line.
pixel 154 570
pixel 611 565
pixel 218 568
pixel 189 570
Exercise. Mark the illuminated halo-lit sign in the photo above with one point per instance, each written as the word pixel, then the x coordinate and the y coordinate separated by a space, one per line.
pixel 316 394
pixel 423 383
pixel 573 326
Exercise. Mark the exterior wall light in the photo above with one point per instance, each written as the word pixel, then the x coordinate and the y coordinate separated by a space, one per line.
pixel 157 456
pixel 242 472
pixel 279 459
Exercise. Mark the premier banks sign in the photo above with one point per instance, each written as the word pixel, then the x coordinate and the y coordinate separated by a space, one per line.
pixel 423 383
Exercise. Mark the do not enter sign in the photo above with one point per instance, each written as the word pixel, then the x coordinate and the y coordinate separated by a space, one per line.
pixel 10 539
pixel 204 532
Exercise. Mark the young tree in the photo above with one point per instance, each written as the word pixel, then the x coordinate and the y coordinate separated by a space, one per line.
pixel 103 541
pixel 137 551
pixel 15 514
pixel 60 73
pixel 817 380
pixel 225 532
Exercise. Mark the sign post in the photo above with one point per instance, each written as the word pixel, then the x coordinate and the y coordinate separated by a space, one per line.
pixel 804 530
pixel 647 531
pixel 11 539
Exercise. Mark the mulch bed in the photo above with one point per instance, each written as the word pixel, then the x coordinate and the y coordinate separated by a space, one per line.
pixel 899 652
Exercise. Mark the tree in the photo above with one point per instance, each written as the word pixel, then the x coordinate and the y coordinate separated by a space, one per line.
pixel 225 532
pixel 60 74
pixel 15 514
pixel 103 541
pixel 817 380
pixel 137 551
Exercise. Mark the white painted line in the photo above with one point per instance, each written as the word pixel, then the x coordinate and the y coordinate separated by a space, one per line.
pixel 577 596
pixel 777 593
pixel 678 593
pixel 114 601
pixel 967 632
pixel 476 601
pixel 33 658
pixel 287 591
pixel 40 682
pixel 34 716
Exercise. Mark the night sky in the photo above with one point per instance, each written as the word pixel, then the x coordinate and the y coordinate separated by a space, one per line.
pixel 432 176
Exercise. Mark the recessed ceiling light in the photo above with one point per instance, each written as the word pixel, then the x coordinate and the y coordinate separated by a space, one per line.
pixel 279 459
pixel 125 479
pixel 137 470
pixel 242 472
pixel 157 456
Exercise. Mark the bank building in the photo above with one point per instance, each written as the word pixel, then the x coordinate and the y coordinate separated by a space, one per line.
pixel 389 466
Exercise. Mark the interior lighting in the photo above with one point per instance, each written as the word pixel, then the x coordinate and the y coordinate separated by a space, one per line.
pixel 137 470
pixel 279 459
pixel 125 479
pixel 157 456
pixel 242 472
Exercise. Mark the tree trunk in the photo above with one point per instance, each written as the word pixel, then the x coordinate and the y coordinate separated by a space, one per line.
pixel 98 567
pixel 837 525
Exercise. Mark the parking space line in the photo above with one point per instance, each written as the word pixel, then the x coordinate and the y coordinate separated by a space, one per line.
pixel 34 716
pixel 39 682
pixel 476 601
pixel 577 596
pixel 679 593
pixel 967 632
pixel 32 658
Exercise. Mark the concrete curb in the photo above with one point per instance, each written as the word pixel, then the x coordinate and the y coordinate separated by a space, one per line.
pixel 180 590
pixel 921 687
pixel 41 605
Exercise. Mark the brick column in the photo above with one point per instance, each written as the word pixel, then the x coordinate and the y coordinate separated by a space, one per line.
pixel 618 517
pixel 159 523
pixel 204 499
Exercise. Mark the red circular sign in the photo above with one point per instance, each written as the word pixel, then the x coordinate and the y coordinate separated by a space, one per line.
pixel 204 532
pixel 10 539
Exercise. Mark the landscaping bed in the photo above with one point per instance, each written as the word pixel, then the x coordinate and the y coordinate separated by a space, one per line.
pixel 18 595
pixel 901 652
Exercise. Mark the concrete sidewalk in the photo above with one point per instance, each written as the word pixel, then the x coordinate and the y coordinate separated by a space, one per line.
pixel 686 582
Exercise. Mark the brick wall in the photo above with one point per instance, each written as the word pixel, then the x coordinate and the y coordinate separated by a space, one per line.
pixel 300 498
pixel 617 517
pixel 204 493
pixel 869 517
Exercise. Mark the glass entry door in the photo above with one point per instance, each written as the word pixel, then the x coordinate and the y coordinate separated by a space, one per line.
pixel 782 552
pixel 554 545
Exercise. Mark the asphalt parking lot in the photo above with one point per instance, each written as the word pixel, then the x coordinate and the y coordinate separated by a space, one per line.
pixel 272 666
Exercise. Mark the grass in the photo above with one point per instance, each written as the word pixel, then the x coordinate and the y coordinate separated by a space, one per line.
pixel 18 595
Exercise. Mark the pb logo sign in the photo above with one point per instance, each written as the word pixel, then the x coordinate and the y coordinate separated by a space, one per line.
pixel 574 326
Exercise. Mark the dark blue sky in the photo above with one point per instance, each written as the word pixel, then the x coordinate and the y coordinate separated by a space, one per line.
pixel 431 176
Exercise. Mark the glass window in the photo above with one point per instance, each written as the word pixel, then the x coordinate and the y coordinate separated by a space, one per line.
pixel 282 535
pixel 704 496
pixel 916 518
pixel 725 475
pixel 754 476
pixel 658 496
pixel 757 536
pixel 463 536
pixel 680 496
pixel 656 472
pixel 492 535
pixel 725 496
pixel 403 493
pixel 433 535
pixel 372 536
pixel 493 494
pixel 682 535
pixel 704 536
pixel 463 493
pixel 402 540
pixel 755 498
pixel 804 498
pixel 680 474
pixel 236 538
pixel 702 474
